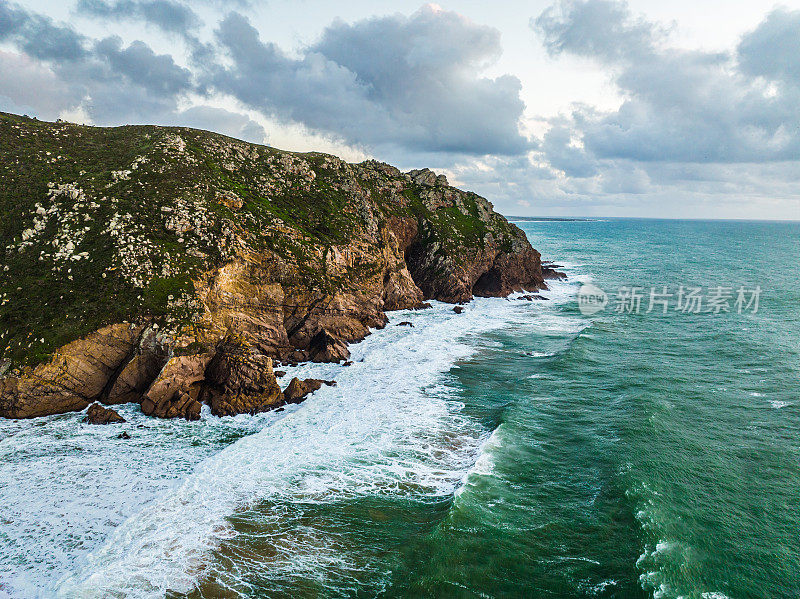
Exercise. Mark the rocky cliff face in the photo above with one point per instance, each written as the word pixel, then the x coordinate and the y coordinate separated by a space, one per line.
pixel 172 267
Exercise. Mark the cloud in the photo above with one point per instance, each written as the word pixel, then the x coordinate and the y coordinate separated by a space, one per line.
pixel 409 82
pixel 38 36
pixel 602 29
pixel 168 15
pixel 772 50
pixel 397 84
pixel 32 88
pixel 682 105
pixel 141 66
pixel 567 154
pixel 112 83
pixel 222 121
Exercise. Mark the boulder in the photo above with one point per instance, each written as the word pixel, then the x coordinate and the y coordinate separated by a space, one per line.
pixel 426 177
pixel 176 390
pixel 325 347
pixel 458 309
pixel 405 323
pixel 299 389
pixel 239 380
pixel 97 414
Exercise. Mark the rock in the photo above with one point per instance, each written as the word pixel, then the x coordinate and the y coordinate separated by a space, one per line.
pixel 532 296
pixel 239 380
pixel 123 435
pixel 76 375
pixel 550 272
pixel 138 374
pixel 325 347
pixel 280 373
pixel 517 271
pixel 425 177
pixel 176 390
pixel 230 200
pixel 348 363
pixel 298 390
pixel 458 309
pixel 405 323
pixel 294 289
pixel 97 414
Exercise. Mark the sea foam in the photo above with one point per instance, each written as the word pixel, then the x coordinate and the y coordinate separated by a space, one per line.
pixel 389 427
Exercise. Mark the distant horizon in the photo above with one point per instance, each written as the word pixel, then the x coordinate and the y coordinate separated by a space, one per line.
pixel 512 218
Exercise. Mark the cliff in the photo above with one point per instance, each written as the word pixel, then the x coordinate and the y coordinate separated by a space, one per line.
pixel 171 266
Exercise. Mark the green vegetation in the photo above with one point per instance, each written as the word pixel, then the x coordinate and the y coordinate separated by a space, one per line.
pixel 101 225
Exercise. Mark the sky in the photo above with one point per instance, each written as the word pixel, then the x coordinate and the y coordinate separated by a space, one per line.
pixel 681 109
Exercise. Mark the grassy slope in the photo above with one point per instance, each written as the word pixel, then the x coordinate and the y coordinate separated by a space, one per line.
pixel 136 265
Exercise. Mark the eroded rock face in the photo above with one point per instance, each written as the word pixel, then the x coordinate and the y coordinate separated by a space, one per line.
pixel 97 414
pixel 139 373
pixel 73 378
pixel 250 284
pixel 176 390
pixel 519 271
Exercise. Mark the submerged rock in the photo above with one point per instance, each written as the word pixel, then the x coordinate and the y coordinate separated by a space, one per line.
pixel 458 309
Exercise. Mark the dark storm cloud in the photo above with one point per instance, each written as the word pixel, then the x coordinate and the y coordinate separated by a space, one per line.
pixel 680 106
pixel 171 16
pixel 407 81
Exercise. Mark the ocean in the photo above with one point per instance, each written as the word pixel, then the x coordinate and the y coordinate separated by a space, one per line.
pixel 642 446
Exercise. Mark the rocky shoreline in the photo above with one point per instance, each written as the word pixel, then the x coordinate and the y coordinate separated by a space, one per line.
pixel 215 259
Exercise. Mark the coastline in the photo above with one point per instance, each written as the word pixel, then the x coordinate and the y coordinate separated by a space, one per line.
pixel 364 403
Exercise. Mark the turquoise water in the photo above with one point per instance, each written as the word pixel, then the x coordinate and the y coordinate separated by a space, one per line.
pixel 521 449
